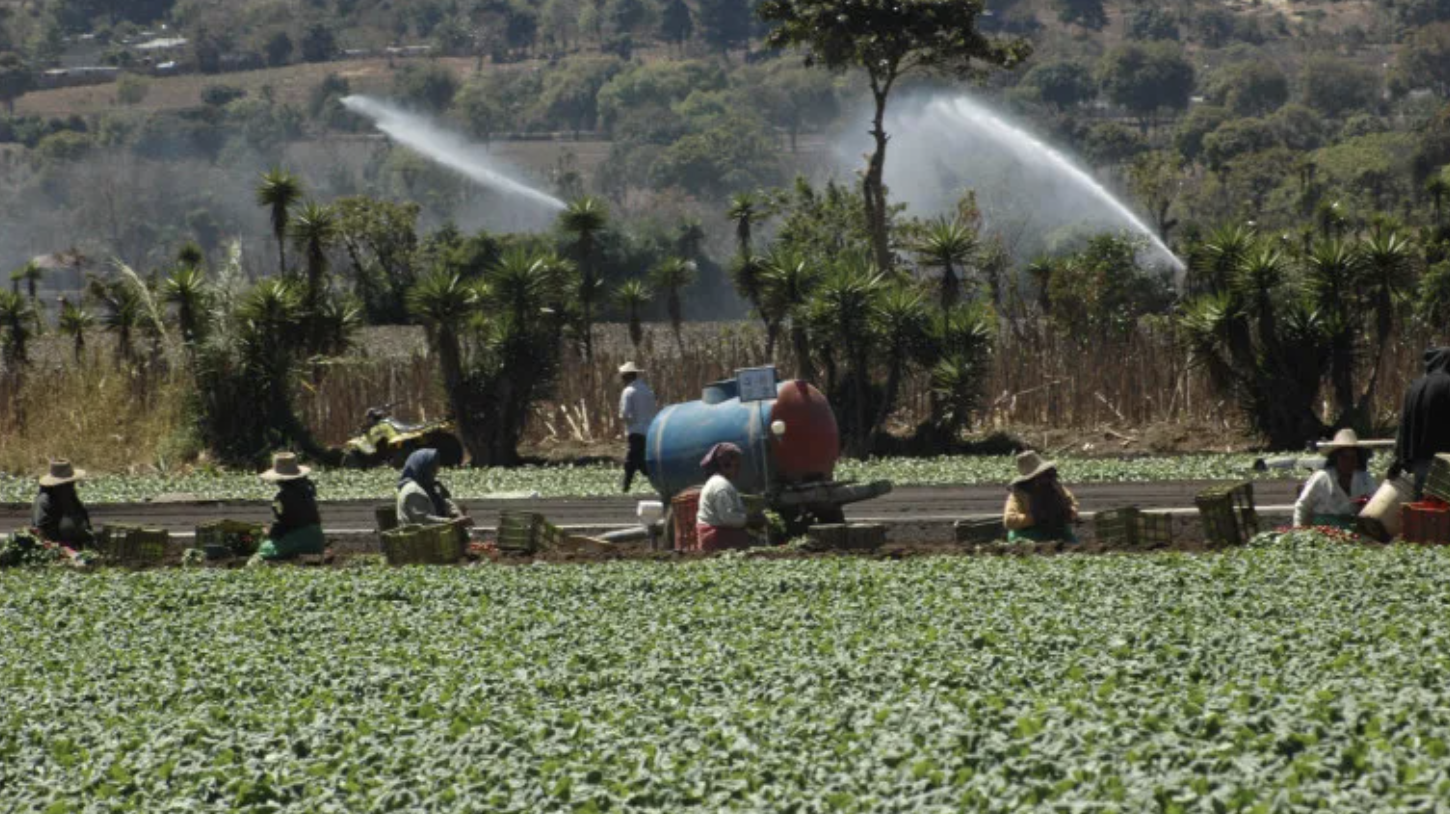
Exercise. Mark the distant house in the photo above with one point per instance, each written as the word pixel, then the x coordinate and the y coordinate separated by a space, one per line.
pixel 75 77
pixel 64 270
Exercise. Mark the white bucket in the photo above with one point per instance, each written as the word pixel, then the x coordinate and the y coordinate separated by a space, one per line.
pixel 1383 510
pixel 650 511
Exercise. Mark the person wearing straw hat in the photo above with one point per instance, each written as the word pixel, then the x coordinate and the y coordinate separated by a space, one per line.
pixel 58 513
pixel 297 528
pixel 636 410
pixel 1039 508
pixel 1335 494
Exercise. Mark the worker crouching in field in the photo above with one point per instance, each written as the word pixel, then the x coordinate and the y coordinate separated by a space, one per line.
pixel 1039 508
pixel 722 521
pixel 1336 493
pixel 422 500
pixel 1425 420
pixel 297 529
pixel 58 513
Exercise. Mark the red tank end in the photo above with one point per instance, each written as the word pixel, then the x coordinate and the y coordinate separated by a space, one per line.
pixel 812 443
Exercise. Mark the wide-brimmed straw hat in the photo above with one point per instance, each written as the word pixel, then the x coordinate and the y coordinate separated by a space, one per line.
pixel 1344 439
pixel 285 467
pixel 628 368
pixel 1030 465
pixel 61 472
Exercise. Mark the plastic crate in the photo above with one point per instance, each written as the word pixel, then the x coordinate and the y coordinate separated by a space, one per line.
pixel 386 516
pixel 238 536
pixel 979 532
pixel 1427 522
pixel 527 533
pixel 1117 526
pixel 829 536
pixel 440 544
pixel 865 536
pixel 123 543
pixel 684 508
pixel 1228 514
pixel 1437 484
pixel 1154 529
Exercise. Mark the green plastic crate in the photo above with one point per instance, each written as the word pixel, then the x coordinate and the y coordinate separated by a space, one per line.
pixel 440 544
pixel 125 543
pixel 1228 514
pixel 979 532
pixel 240 537
pixel 1132 527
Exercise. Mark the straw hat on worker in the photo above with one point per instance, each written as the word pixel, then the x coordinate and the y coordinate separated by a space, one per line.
pixel 61 472
pixel 285 467
pixel 1031 466
pixel 1344 439
pixel 630 367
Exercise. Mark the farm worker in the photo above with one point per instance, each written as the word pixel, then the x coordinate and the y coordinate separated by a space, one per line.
pixel 1336 493
pixel 298 525
pixel 58 513
pixel 422 500
pixel 637 410
pixel 1425 421
pixel 721 520
pixel 1039 508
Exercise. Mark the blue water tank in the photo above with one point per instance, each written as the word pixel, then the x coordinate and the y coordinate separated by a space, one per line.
pixel 681 434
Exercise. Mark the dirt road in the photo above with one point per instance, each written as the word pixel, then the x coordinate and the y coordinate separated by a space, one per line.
pixel 907 506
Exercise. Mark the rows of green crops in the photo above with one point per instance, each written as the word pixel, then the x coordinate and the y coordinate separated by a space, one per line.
pixel 1281 679
pixel 603 480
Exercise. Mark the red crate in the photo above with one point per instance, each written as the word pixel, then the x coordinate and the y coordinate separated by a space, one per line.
pixel 683 509
pixel 1426 523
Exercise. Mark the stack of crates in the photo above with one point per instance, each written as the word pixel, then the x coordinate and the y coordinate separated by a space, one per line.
pixel 1133 528
pixel 440 544
pixel 133 544
pixel 980 532
pixel 1228 514
pixel 526 533
pixel 1426 522
pixel 239 537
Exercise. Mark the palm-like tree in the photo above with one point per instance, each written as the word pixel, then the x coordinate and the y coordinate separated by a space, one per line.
pixel 1333 271
pixel 745 211
pixel 670 277
pixel 1387 274
pixel 17 319
pixel 948 244
pixel 902 328
pixel 278 191
pixel 584 219
pixel 786 285
pixel 125 314
pixel 444 303
pixel 187 290
pixel 1437 188
pixel 74 321
pixel 632 297
pixel 31 274
pixel 745 272
pixel 314 230
pixel 843 309
pixel 524 284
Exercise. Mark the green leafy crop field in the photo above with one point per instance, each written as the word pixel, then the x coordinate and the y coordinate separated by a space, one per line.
pixel 1303 676
pixel 602 480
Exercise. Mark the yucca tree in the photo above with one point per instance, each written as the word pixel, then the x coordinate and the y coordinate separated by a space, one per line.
pixel 190 255
pixel 1332 271
pixel 961 342
pixel 1387 276
pixel 584 219
pixel 902 329
pixel 632 297
pixel 124 315
pixel 670 277
pixel 31 274
pixel 842 317
pixel 786 284
pixel 187 290
pixel 314 231
pixel 745 211
pixel 444 304
pixel 947 244
pixel 1437 188
pixel 17 319
pixel 74 321
pixel 278 191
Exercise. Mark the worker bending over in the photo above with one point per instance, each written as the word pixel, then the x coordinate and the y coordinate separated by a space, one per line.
pixel 422 500
pixel 1425 421
pixel 297 528
pixel 722 520
pixel 1335 494
pixel 1039 508
pixel 57 512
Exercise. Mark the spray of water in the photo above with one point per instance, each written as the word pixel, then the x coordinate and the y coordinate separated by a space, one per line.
pixel 948 145
pixel 445 148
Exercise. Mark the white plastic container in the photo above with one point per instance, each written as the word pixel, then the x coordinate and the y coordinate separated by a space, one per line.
pixel 650 512
pixel 1383 510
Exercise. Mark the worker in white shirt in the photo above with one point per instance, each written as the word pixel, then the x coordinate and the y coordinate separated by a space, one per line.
pixel 636 410
pixel 721 521
pixel 1335 494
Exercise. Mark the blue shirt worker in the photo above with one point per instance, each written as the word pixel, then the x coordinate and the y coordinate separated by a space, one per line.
pixel 636 410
